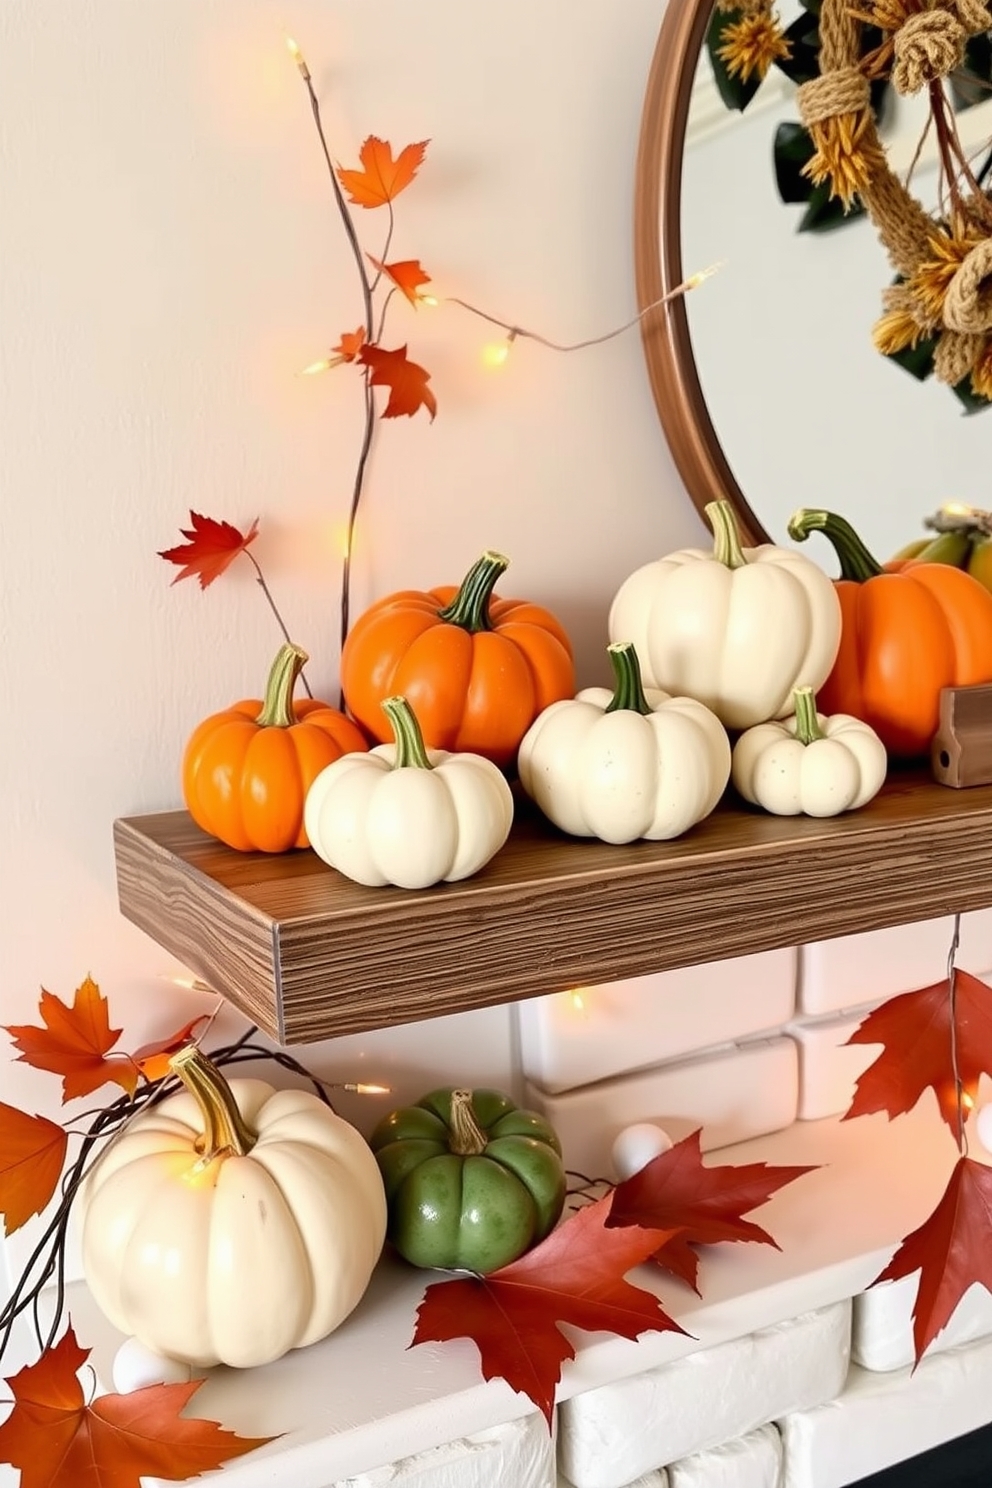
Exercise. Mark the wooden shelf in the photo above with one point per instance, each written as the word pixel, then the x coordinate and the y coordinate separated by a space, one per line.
pixel 307 954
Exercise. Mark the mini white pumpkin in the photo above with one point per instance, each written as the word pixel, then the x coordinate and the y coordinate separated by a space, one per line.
pixel 808 764
pixel 737 628
pixel 626 764
pixel 406 815
pixel 232 1222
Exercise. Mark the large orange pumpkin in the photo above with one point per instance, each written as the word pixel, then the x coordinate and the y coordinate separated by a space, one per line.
pixel 904 636
pixel 247 770
pixel 476 670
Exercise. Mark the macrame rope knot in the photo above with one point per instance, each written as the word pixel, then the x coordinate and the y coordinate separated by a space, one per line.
pixel 968 302
pixel 836 109
pixel 927 46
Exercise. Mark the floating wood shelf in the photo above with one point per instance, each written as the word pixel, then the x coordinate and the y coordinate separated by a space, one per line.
pixel 308 955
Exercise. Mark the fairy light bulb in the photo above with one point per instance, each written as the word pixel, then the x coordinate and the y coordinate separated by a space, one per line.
pixel 577 1000
pixel 431 301
pixel 298 58
pixel 363 1089
pixel 495 355
pixel 324 365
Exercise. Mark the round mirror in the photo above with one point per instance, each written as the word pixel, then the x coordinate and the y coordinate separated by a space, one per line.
pixel 766 378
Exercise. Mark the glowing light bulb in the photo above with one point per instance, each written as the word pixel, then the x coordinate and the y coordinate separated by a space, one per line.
pixel 967 1101
pixel 495 354
pixel 577 1000
pixel 429 300
pixel 368 1089
pixel 298 58
pixel 324 365
pixel 695 280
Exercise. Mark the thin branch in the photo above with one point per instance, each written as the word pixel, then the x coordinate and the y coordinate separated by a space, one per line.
pixel 260 579
pixel 952 979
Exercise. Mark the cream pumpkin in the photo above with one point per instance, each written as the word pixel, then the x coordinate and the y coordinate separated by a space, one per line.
pixel 232 1222
pixel 736 628
pixel 626 764
pixel 809 764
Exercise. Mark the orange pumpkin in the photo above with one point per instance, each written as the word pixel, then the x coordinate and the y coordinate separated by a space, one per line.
pixel 904 636
pixel 476 670
pixel 246 771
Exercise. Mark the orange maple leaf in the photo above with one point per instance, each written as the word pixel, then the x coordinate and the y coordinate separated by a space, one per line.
pixel 349 346
pixel 58 1441
pixel 153 1059
pixel 407 274
pixel 32 1151
pixel 381 178
pixel 74 1042
pixel 209 549
pixel 406 381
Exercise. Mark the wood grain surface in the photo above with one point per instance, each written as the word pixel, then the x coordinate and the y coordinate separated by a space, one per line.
pixel 307 954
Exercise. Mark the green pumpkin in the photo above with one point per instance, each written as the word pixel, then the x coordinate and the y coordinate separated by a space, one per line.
pixel 471 1180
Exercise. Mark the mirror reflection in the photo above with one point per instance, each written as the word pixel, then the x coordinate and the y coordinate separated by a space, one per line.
pixel 807 411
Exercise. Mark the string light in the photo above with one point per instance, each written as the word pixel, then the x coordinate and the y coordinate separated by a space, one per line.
pixel 361 1089
pixel 578 1001
pixel 298 58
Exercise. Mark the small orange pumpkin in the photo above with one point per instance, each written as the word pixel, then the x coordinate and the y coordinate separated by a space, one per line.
pixel 904 637
pixel 247 770
pixel 476 670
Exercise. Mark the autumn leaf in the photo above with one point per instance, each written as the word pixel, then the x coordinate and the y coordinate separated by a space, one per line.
pixel 73 1043
pixel 407 382
pixel 705 1205
pixel 381 178
pixel 32 1151
pixel 951 1251
pixel 407 274
pixel 58 1441
pixel 210 548
pixel 575 1276
pixel 349 346
pixel 153 1059
pixel 915 1029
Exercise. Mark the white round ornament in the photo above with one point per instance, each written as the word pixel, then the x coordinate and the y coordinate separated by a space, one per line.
pixel 637 1145
pixel 135 1367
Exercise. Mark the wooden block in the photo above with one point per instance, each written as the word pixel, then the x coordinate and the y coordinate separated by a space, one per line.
pixel 961 753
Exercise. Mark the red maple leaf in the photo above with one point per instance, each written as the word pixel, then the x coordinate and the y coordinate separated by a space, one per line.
pixel 32 1151
pixel 58 1441
pixel 74 1042
pixel 407 382
pixel 950 1250
pixel 915 1029
pixel 407 274
pixel 210 548
pixel 381 178
pixel 575 1276
pixel 153 1059
pixel 349 346
pixel 705 1205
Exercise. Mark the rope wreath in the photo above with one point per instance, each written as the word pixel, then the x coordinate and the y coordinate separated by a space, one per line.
pixel 944 266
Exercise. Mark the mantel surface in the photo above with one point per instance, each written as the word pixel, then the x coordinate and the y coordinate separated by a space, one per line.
pixel 307 955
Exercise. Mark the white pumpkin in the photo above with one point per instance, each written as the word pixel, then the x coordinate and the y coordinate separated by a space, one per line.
pixel 809 764
pixel 232 1222
pixel 737 628
pixel 406 815
pixel 626 764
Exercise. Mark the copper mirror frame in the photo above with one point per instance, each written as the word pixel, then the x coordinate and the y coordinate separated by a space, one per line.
pixel 658 265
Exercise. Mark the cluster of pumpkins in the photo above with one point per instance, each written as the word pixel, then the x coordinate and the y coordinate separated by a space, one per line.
pixel 736 663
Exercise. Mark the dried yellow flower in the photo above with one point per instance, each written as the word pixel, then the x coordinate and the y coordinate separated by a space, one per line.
pixel 981 373
pixel 929 285
pixel 895 331
pixel 749 46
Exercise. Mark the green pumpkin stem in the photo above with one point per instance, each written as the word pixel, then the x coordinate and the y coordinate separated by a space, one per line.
pixel 726 538
pixel 627 690
pixel 856 563
pixel 225 1130
pixel 277 709
pixel 470 606
pixel 808 728
pixel 411 752
pixel 467 1138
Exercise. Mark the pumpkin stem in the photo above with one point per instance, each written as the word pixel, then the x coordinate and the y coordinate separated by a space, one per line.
pixel 627 690
pixel 277 709
pixel 467 1138
pixel 808 728
pixel 726 538
pixel 411 753
pixel 856 563
pixel 225 1130
pixel 470 606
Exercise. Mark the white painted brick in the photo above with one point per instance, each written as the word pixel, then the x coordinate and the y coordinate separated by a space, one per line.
pixel 752 1461
pixel 881 1419
pixel 827 1069
pixel 733 1094
pixel 882 1324
pixel 607 1436
pixel 853 970
pixel 629 1025
pixel 520 1453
